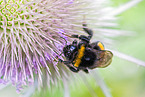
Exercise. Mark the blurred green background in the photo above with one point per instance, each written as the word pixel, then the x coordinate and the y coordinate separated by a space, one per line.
pixel 124 79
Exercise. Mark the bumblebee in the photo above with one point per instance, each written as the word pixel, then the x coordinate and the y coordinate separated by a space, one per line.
pixel 85 55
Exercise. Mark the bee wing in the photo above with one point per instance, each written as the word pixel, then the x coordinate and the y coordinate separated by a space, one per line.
pixel 103 58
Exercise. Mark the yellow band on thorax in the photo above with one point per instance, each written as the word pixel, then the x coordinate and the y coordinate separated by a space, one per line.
pixel 79 55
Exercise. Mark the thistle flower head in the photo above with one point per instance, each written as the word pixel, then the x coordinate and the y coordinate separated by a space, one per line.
pixel 32 34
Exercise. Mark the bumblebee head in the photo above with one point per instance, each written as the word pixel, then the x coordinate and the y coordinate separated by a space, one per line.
pixel 69 51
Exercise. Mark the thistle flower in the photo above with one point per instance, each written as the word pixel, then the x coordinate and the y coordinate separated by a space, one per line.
pixel 33 33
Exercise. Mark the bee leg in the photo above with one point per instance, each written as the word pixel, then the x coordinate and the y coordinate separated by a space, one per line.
pixel 81 37
pixel 70 67
pixel 65 62
pixel 87 30
pixel 97 45
pixel 73 69
pixel 86 70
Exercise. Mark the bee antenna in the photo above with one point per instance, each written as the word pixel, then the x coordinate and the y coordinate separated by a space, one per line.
pixel 61 52
pixel 64 40
pixel 58 56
